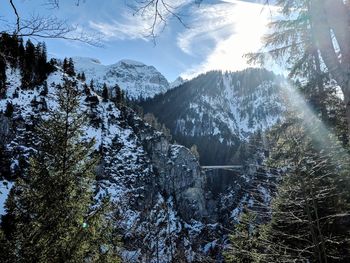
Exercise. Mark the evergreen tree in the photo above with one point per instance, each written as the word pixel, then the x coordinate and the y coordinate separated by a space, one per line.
pixel 243 242
pixel 5 248
pixel 5 171
pixel 28 65
pixel 119 96
pixel 55 218
pixel 309 222
pixel 152 120
pixel 303 37
pixel 105 95
pixel 44 90
pixel 83 78
pixel 87 91
pixel 21 52
pixel 71 70
pixel 65 65
pixel 92 87
pixel 2 76
pixel 9 48
pixel 68 67
pixel 9 110
pixel 41 63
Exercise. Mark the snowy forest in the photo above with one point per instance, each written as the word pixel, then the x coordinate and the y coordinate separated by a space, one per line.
pixel 115 163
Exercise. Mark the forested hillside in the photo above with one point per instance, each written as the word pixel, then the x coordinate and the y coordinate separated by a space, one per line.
pixel 85 169
pixel 113 163
pixel 218 112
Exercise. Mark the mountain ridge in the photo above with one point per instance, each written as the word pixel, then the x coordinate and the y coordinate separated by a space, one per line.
pixel 136 79
pixel 162 200
pixel 223 108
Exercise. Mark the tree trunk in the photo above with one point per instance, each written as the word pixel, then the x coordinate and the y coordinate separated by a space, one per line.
pixel 330 19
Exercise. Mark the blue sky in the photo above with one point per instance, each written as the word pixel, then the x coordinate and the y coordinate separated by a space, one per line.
pixel 218 33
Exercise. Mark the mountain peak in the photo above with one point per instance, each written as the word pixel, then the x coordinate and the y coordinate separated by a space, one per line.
pixel 131 62
pixel 177 82
pixel 86 60
pixel 137 79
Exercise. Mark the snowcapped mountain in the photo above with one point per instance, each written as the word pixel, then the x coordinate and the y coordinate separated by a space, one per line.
pixel 136 167
pixel 177 82
pixel 166 208
pixel 135 78
pixel 218 111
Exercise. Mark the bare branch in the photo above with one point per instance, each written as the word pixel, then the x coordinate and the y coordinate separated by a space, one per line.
pixel 16 13
pixel 158 12
pixel 52 27
pixel 37 26
pixel 53 3
pixel 56 3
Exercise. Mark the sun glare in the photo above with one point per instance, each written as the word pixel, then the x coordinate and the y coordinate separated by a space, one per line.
pixel 248 23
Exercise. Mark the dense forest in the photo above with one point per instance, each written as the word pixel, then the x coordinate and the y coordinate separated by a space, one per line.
pixel 85 178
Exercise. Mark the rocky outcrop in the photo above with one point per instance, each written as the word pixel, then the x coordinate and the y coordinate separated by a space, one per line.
pixel 181 177
pixel 178 172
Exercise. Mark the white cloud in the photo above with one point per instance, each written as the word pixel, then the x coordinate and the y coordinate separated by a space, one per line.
pixel 229 30
pixel 120 31
pixel 139 25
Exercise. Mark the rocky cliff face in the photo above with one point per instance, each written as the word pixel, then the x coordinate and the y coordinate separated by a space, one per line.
pixel 179 174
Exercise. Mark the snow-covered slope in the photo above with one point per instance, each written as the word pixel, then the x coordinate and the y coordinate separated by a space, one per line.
pixel 137 164
pixel 164 207
pixel 135 78
pixel 177 82
pixel 224 109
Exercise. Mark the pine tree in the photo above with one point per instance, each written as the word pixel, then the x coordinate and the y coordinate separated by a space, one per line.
pixel 92 87
pixel 54 215
pixel 83 78
pixel 105 95
pixel 71 71
pixel 5 157
pixel 21 52
pixel 9 110
pixel 5 253
pixel 41 63
pixel 294 40
pixel 68 67
pixel 2 76
pixel 243 242
pixel 65 65
pixel 28 65
pixel 309 220
pixel 119 96
pixel 45 90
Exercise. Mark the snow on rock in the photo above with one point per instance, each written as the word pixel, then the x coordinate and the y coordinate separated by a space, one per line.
pixel 5 187
pixel 243 112
pixel 135 78
pixel 136 167
pixel 157 189
pixel 177 82
pixel 223 105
